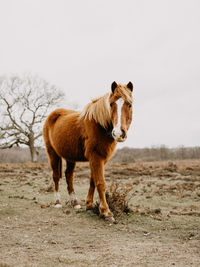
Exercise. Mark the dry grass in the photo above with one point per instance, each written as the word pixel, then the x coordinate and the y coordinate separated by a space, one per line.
pixel 162 200
pixel 118 198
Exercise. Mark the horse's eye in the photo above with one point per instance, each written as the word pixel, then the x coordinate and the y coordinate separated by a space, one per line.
pixel 111 104
pixel 130 105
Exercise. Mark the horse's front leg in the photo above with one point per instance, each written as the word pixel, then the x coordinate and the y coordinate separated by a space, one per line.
pixel 90 196
pixel 97 173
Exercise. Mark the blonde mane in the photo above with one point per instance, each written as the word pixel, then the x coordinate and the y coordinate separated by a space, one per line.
pixel 99 110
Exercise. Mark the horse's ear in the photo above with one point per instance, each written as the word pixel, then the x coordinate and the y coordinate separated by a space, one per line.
pixel 113 86
pixel 130 86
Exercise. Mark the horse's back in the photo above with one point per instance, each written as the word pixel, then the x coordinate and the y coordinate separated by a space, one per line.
pixel 54 115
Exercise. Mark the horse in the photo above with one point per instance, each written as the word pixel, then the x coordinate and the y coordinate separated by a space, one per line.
pixel 90 135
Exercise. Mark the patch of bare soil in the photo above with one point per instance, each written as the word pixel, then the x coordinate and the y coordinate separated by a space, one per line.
pixel 161 225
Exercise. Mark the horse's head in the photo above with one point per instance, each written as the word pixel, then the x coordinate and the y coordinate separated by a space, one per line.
pixel 120 101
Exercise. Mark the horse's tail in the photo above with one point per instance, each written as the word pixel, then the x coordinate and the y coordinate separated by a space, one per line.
pixel 54 159
pixel 50 121
pixel 60 167
pixel 53 116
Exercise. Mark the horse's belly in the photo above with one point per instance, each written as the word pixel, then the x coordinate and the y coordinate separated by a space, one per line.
pixel 73 152
pixel 69 146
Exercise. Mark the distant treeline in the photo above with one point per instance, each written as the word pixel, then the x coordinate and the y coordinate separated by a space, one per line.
pixel 126 154
pixel 156 154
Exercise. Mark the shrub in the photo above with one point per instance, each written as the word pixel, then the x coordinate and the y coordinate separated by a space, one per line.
pixel 117 198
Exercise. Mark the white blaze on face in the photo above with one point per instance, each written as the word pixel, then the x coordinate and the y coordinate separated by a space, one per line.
pixel 117 129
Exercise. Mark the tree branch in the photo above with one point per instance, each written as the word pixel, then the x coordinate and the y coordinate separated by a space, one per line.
pixel 10 115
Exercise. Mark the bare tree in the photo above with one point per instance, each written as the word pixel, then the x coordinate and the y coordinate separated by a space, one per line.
pixel 24 103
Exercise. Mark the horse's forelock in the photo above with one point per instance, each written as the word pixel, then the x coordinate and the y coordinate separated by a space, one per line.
pixel 122 91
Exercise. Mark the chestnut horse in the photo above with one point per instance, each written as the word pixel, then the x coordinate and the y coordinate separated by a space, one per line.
pixel 90 135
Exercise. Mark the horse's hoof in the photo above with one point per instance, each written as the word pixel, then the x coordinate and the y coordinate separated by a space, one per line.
pixel 58 205
pixel 110 219
pixel 77 207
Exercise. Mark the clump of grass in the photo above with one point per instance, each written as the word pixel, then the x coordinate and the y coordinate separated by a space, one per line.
pixel 117 198
pixel 171 167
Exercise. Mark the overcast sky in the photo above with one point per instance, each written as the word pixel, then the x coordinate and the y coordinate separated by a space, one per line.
pixel 83 46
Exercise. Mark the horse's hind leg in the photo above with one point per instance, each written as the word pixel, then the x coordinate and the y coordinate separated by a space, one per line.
pixel 69 174
pixel 56 165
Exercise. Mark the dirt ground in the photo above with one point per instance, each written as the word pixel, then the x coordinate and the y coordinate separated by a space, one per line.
pixel 161 229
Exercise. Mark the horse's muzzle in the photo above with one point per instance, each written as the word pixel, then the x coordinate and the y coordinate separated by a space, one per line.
pixel 119 136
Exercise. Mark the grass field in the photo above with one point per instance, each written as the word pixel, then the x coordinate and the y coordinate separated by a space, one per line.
pixel 162 227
